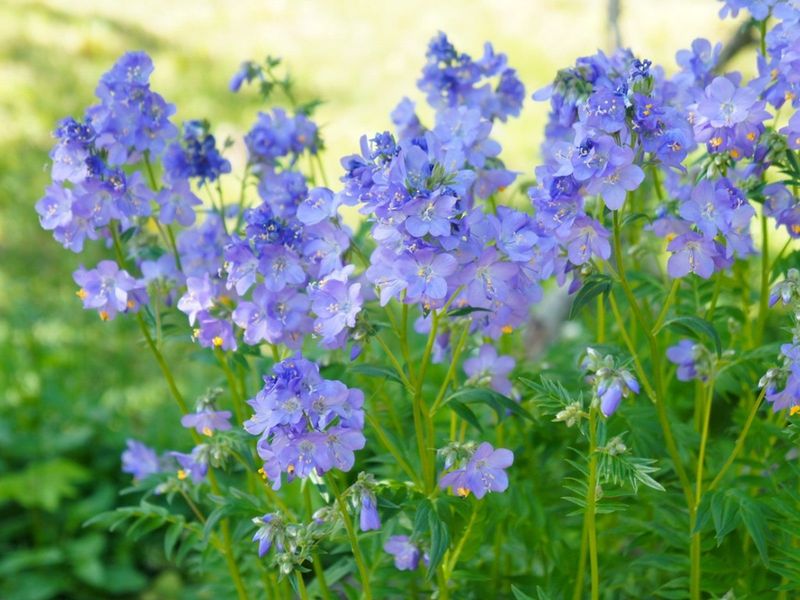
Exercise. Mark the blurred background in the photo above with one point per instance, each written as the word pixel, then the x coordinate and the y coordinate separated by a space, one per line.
pixel 72 388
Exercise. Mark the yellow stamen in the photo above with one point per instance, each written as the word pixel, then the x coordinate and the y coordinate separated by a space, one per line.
pixel 195 332
pixel 794 410
pixel 751 136
pixel 789 96
pixel 670 236
pixel 735 154
pixel 217 341
pixel 462 492
pixel 81 293
pixel 103 315
pixel 182 474
pixel 507 329
pixel 796 229
pixel 263 473
pixel 715 142
pixel 131 304
pixel 290 469
pixel 207 431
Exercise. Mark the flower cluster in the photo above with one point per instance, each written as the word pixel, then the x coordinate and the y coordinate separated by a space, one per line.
pixel 195 156
pixel 451 78
pixel 782 384
pixel 90 189
pixel 611 382
pixel 306 424
pixel 481 473
pixel 435 245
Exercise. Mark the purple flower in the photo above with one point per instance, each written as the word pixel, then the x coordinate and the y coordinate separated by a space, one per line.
pixel 483 473
pixel 274 317
pixel 336 305
pixel 320 204
pixel 684 354
pixel 369 519
pixel 281 267
pixel 268 528
pixel 490 368
pixel 691 253
pixel 588 237
pixel 193 466
pixel 177 203
pixel 199 297
pixel 140 460
pixel 109 289
pixel 406 554
pixel 305 423
pixel 430 216
pixel 426 274
pixel 207 421
pixel 214 333
pixel 195 156
pixel 725 105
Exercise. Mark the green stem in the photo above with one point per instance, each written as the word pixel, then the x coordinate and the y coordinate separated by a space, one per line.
pixel 192 505
pixel 656 359
pixel 351 534
pixel 422 421
pixel 577 591
pixel 390 447
pixel 695 549
pixel 301 585
pixel 173 388
pixel 591 500
pixel 451 371
pixel 450 564
pixel 740 440
pixel 230 559
pixel 395 363
pixel 236 395
pixel 763 299
pixel 319 571
pixel 676 283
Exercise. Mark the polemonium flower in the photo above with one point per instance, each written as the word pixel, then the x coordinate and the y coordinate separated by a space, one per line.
pixel 140 460
pixel 406 553
pixel 177 202
pixel 691 253
pixel 426 273
pixel 369 518
pixel 109 289
pixel 685 354
pixel 319 205
pixel 207 421
pixel 306 424
pixel 490 368
pixel 193 465
pixel 196 155
pixel 199 296
pixel 483 473
pixel 269 527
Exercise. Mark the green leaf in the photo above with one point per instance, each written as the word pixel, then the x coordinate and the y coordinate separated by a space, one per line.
pixel 519 594
pixel 171 537
pixel 725 513
pixel 696 328
pixel 375 371
pixel 440 541
pixel 756 524
pixel 496 401
pixel 593 286
pixel 465 412
pixel 466 310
